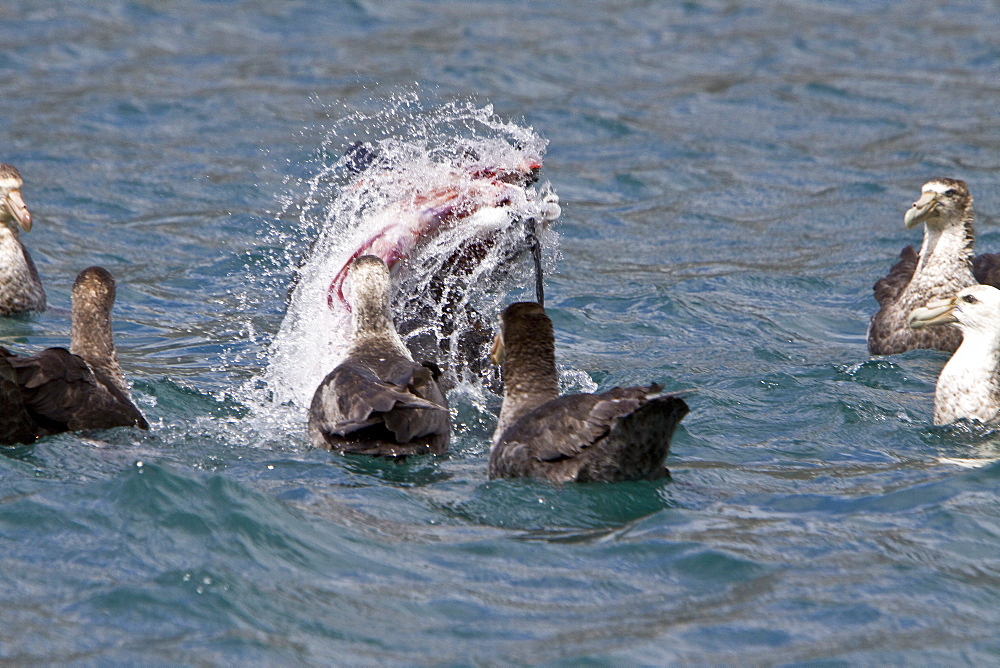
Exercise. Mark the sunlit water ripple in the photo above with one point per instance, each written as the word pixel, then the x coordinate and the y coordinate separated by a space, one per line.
pixel 733 177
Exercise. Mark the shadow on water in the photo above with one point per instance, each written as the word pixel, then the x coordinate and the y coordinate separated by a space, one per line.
pixel 530 505
pixel 415 471
pixel 21 452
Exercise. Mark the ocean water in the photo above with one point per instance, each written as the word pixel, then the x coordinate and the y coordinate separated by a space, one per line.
pixel 732 176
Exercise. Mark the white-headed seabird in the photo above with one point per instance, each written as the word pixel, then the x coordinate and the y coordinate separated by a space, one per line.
pixel 621 434
pixel 378 401
pixel 61 390
pixel 944 266
pixel 969 384
pixel 20 288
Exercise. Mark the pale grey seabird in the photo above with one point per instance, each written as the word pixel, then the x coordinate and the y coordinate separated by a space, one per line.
pixel 944 266
pixel 378 401
pixel 621 434
pixel 59 390
pixel 969 384
pixel 20 288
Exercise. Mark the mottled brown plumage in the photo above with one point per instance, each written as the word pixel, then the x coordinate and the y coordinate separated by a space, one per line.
pixel 20 287
pixel 378 401
pixel 621 434
pixel 61 390
pixel 944 266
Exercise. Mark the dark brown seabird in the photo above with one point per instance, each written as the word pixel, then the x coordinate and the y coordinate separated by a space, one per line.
pixel 378 401
pixel 944 266
pixel 61 390
pixel 621 434
pixel 20 288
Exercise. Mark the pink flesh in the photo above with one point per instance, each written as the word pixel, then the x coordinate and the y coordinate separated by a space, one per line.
pixel 391 257
pixel 405 239
pixel 437 209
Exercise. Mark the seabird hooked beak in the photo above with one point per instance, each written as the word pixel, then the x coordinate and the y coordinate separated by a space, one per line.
pixel 921 209
pixel 933 313
pixel 15 205
pixel 497 350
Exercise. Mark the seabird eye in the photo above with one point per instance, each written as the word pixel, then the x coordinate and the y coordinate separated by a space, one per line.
pixel 950 192
pixel 969 299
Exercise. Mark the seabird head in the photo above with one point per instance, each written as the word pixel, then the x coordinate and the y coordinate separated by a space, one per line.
pixel 12 207
pixel 94 290
pixel 975 309
pixel 371 294
pixel 90 331
pixel 943 203
pixel 525 345
pixel 526 339
pixel 521 322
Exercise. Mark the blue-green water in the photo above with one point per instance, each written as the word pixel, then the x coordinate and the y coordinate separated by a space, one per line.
pixel 733 177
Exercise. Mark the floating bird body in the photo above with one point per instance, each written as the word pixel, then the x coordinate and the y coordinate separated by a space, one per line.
pixel 969 384
pixel 621 434
pixel 20 287
pixel 60 390
pixel 378 401
pixel 944 266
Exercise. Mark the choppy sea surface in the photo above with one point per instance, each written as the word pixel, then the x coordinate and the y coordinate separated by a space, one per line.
pixel 733 177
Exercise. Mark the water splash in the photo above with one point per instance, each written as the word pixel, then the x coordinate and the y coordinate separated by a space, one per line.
pixel 443 194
